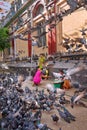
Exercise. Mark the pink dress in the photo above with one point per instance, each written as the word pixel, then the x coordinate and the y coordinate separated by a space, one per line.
pixel 37 77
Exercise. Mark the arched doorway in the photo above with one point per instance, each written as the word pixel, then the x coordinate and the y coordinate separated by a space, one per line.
pixel 38 10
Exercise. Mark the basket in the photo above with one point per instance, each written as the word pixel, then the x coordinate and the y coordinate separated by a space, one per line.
pixel 58 83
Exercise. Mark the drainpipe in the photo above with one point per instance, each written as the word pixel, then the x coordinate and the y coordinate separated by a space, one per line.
pixel 55 1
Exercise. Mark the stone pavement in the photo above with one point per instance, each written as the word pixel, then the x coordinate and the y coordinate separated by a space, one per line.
pixel 78 111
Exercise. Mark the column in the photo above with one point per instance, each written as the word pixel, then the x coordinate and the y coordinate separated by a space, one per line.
pixel 12 47
pixel 29 45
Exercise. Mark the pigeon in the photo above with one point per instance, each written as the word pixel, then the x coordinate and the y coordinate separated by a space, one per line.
pixel 43 127
pixel 81 95
pixel 63 100
pixel 74 70
pixel 82 104
pixel 55 118
pixel 27 90
pixel 38 114
pixel 71 117
pixel 72 100
pixel 50 87
pixel 67 74
pixel 57 75
pixel 73 5
pixel 63 116
pixel 4 66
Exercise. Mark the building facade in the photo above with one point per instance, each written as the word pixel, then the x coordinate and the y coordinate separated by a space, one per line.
pixel 38 26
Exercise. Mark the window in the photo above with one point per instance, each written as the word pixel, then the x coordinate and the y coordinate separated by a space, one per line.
pixel 48 1
pixel 24 0
pixel 42 35
pixel 12 8
pixel 29 14
pixel 38 10
pixel 18 4
pixel 20 22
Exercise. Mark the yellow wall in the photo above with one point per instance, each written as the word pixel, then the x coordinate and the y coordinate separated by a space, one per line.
pixel 74 22
pixel 22 45
pixel 69 27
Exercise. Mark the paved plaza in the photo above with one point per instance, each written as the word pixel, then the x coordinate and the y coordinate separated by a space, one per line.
pixel 78 111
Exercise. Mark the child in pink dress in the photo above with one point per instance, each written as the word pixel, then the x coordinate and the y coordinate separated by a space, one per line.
pixel 37 77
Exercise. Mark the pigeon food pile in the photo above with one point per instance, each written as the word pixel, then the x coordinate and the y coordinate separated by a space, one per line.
pixel 22 109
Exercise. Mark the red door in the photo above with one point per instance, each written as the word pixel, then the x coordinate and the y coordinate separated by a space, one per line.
pixel 52 41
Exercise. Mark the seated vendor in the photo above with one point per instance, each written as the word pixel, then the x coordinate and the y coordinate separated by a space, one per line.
pixel 67 83
pixel 45 73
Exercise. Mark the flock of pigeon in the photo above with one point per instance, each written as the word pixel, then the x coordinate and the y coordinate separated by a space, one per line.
pixel 22 109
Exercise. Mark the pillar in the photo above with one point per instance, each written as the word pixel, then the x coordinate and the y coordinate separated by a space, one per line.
pixel 13 46
pixel 29 45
